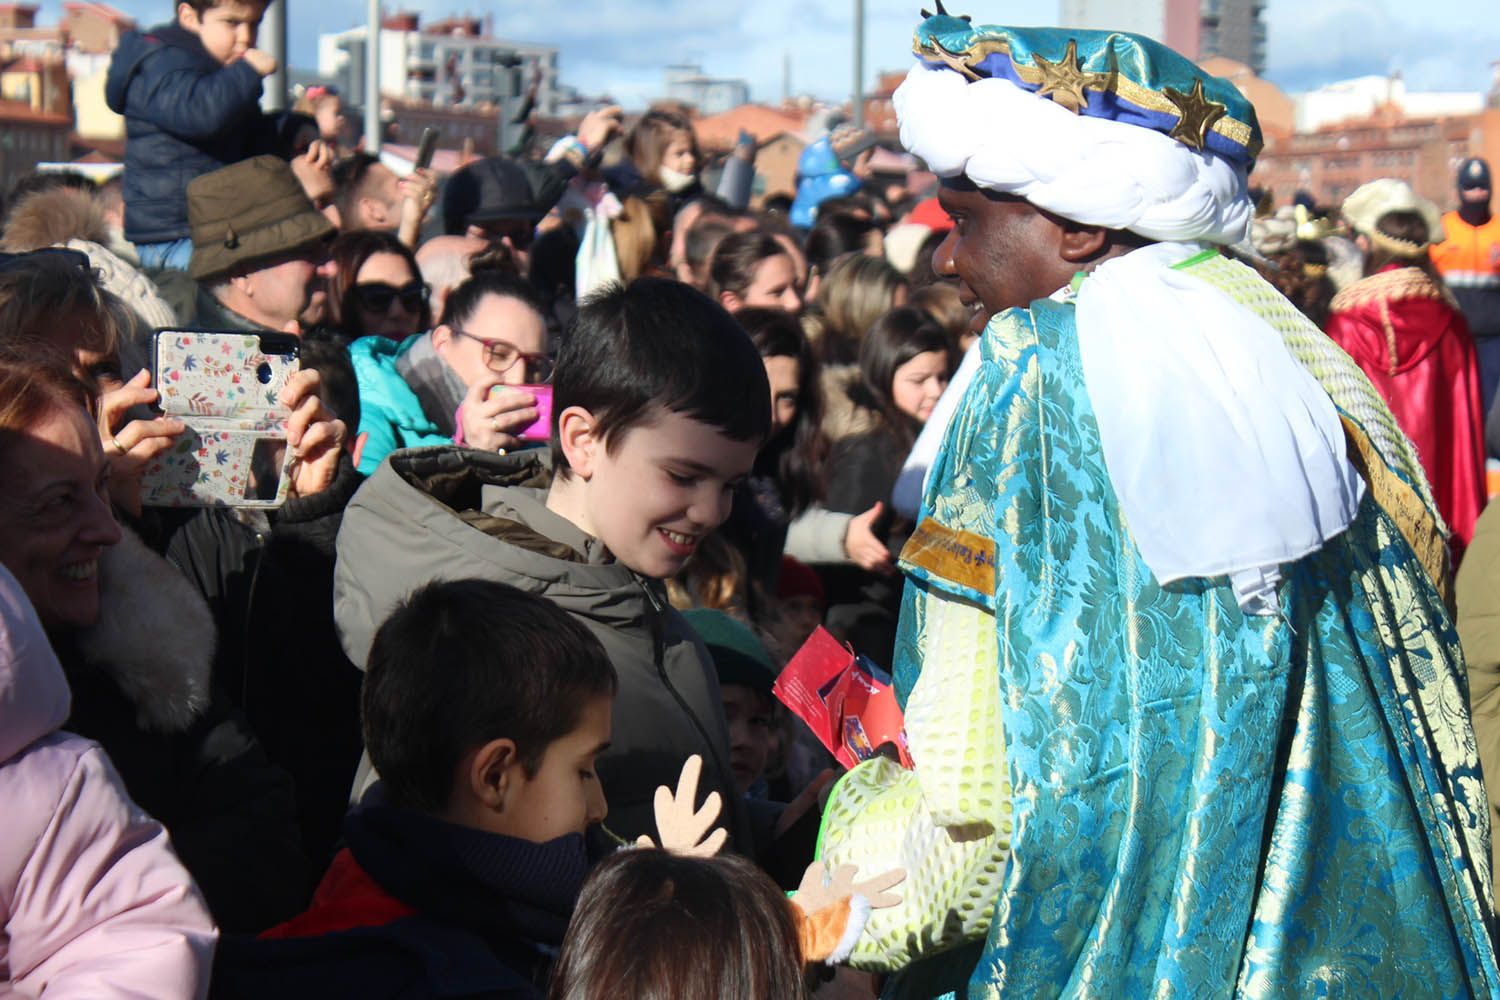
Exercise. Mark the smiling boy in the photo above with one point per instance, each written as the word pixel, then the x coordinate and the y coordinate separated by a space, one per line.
pixel 660 404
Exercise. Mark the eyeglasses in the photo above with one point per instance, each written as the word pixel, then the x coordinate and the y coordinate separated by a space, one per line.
pixel 377 296
pixel 500 356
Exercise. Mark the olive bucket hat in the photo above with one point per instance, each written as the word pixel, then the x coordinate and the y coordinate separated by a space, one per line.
pixel 248 210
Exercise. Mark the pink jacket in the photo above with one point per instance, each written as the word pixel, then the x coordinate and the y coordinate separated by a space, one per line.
pixel 93 903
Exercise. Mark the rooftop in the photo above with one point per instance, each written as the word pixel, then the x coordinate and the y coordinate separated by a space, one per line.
pixel 104 10
pixel 17 111
pixel 719 132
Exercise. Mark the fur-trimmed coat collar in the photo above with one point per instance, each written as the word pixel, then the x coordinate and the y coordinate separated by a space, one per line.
pixel 842 418
pixel 52 218
pixel 155 636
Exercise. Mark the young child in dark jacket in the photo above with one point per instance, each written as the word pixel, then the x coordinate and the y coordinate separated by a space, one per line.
pixel 190 94
pixel 484 708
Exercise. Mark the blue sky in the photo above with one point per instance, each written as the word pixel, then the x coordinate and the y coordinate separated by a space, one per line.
pixel 620 46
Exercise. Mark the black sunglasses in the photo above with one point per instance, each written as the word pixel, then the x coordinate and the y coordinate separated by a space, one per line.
pixel 377 296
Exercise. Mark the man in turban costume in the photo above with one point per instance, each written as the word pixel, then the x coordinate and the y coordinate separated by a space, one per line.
pixel 1185 701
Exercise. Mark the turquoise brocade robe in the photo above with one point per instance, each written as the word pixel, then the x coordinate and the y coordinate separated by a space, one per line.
pixel 1200 803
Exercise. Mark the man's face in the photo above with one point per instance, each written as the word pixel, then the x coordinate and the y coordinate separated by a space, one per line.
pixel 227 31
pixel 1475 195
pixel 515 235
pixel 288 288
pixel 998 248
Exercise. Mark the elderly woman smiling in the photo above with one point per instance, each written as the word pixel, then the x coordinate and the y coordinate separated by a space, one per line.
pixel 133 634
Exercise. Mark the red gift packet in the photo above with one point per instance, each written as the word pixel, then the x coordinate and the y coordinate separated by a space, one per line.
pixel 846 705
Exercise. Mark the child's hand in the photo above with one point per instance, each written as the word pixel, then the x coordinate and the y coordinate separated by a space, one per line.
pixel 819 890
pixel 262 62
pixel 680 828
pixel 864 547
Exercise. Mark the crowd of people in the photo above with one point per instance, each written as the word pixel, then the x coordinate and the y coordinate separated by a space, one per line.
pixel 1150 500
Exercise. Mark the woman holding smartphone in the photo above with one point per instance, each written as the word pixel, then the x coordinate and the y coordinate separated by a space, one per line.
pixel 474 379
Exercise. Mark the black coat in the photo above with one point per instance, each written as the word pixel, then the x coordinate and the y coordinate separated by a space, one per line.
pixel 489 914
pixel 143 689
pixel 862 607
pixel 185 115
pixel 269 586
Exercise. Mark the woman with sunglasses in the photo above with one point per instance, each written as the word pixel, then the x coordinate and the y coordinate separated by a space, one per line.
pixel 377 289
pixel 474 379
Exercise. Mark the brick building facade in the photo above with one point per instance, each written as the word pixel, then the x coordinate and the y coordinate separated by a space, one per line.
pixel 1332 161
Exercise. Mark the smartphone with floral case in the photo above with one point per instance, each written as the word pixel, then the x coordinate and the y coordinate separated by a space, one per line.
pixel 226 387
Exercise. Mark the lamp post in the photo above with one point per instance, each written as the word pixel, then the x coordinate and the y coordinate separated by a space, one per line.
pixel 274 28
pixel 859 63
pixel 372 81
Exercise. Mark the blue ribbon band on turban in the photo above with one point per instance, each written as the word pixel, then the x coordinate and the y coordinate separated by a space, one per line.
pixel 1102 74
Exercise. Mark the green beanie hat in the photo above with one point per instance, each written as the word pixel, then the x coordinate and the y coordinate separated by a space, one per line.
pixel 738 654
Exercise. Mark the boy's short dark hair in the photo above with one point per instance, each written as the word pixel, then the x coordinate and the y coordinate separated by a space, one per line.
pixel 657 342
pixel 460 663
pixel 204 6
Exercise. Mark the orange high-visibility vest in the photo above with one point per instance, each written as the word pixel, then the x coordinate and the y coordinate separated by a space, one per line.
pixel 1469 256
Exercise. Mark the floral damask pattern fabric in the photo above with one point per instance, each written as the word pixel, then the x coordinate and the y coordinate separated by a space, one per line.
pixel 1202 803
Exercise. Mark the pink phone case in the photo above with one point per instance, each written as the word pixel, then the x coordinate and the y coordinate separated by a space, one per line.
pixel 541 430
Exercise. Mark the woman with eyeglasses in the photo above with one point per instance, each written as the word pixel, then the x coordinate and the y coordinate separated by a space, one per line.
pixel 377 289
pixel 473 380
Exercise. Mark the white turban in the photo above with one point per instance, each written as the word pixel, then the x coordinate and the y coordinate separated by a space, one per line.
pixel 1091 170
pixel 1227 457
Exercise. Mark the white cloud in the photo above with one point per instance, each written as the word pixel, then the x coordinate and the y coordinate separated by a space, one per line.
pixel 1436 45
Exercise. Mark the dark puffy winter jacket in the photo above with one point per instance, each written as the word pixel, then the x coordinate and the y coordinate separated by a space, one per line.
pixel 185 115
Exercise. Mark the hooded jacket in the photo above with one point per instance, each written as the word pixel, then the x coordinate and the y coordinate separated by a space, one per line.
pixel 185 115
pixel 93 903
pixel 452 514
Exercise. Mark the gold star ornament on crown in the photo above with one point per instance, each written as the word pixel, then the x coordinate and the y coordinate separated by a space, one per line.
pixel 1196 115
